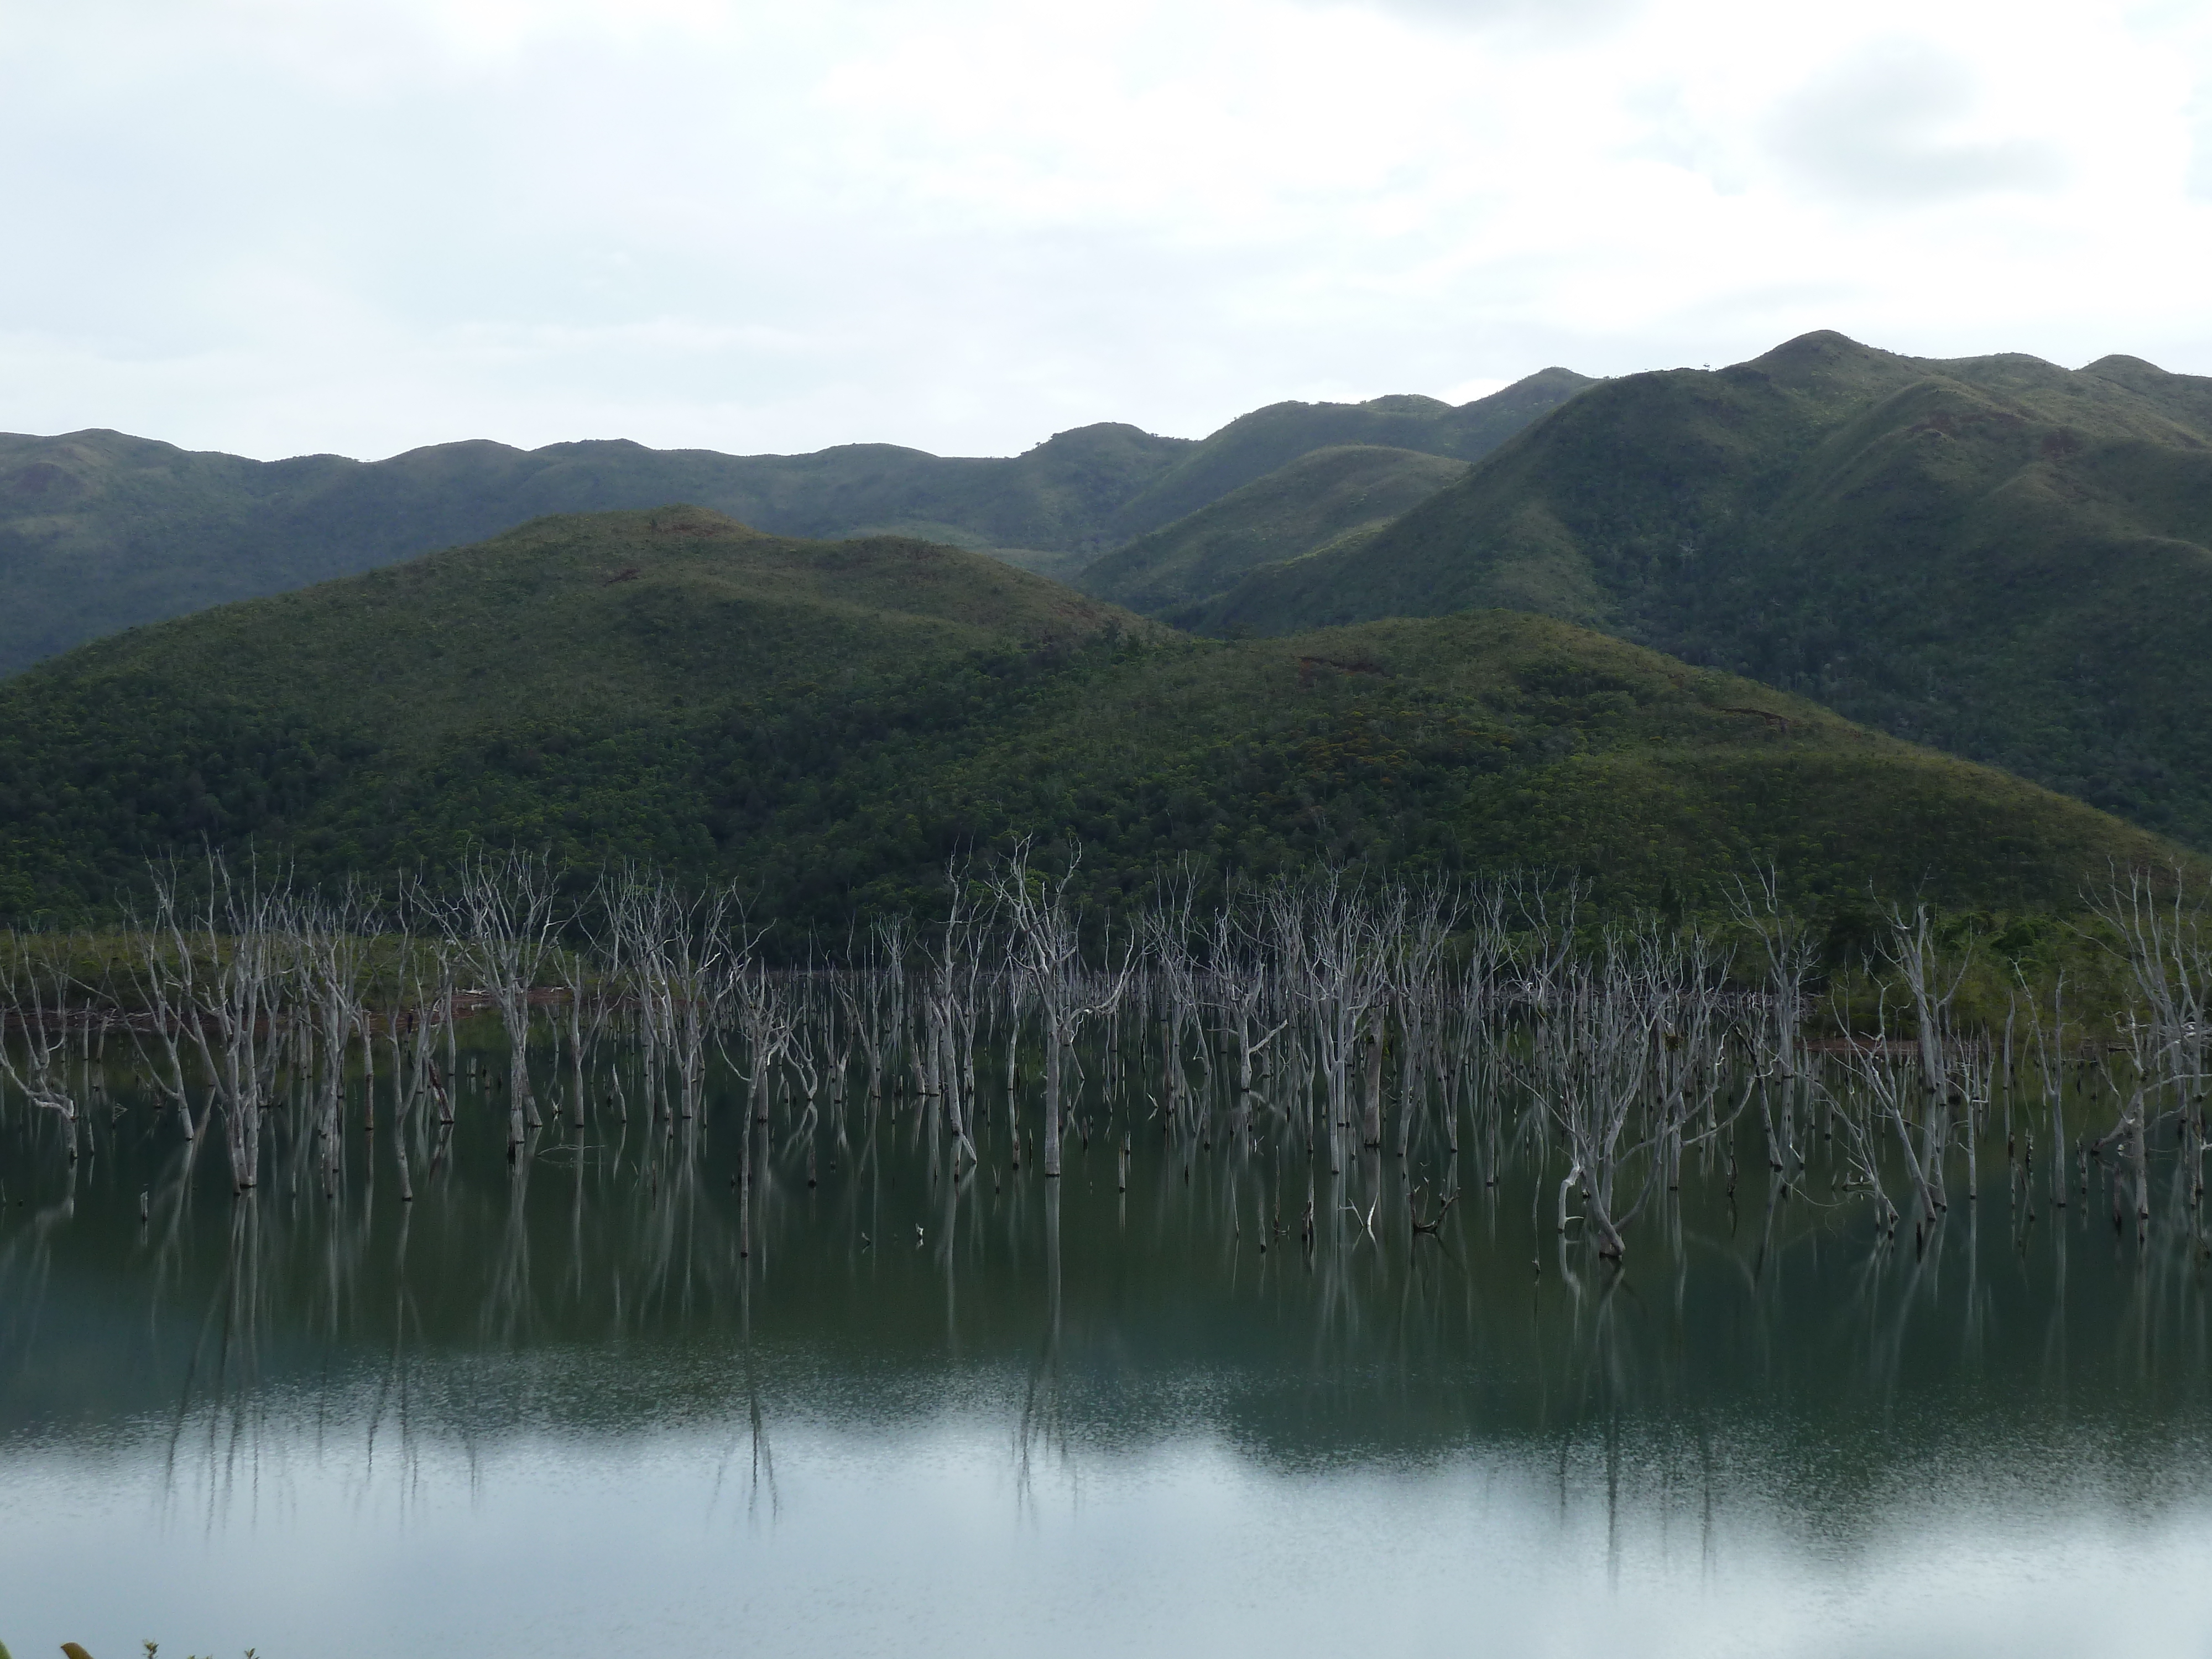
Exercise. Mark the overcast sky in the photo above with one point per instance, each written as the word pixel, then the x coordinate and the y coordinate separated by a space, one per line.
pixel 276 227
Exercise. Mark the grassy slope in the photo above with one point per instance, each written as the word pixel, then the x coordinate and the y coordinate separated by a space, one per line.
pixel 1993 556
pixel 832 721
pixel 1294 510
pixel 1253 446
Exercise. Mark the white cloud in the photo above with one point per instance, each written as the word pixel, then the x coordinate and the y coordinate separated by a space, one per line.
pixel 1895 124
pixel 365 224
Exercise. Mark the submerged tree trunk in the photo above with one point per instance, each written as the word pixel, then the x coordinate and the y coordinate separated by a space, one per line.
pixel 1052 1071
pixel 1370 1128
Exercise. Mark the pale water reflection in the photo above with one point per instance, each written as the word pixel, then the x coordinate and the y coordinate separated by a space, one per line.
pixel 922 1541
pixel 550 1407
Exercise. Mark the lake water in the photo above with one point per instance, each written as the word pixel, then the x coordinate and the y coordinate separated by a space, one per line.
pixel 550 1406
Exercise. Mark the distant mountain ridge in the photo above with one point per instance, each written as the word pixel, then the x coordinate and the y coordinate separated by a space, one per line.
pixel 1253 446
pixel 1994 556
pixel 100 531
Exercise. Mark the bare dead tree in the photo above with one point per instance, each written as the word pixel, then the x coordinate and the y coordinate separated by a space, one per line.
pixel 1046 953
pixel 504 925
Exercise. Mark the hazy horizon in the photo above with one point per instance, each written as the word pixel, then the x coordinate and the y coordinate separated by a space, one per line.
pixel 361 229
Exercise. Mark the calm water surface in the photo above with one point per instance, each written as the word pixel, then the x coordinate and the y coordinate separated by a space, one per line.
pixel 552 1409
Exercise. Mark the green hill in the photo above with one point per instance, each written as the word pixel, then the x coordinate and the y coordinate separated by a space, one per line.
pixel 1993 556
pixel 1253 446
pixel 100 531
pixel 1320 498
pixel 597 616
pixel 1497 739
pixel 829 721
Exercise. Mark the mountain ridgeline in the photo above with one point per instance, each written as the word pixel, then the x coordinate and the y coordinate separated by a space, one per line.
pixel 1623 627
pixel 1323 499
pixel 100 531
pixel 829 722
pixel 1993 556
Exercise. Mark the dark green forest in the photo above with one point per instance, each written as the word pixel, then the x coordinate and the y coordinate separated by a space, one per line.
pixel 1993 557
pixel 1833 612
pixel 828 724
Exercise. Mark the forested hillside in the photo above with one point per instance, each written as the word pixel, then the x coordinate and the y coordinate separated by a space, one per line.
pixel 829 722
pixel 1993 556
pixel 100 531
pixel 1253 446
pixel 1352 490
